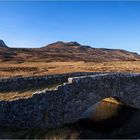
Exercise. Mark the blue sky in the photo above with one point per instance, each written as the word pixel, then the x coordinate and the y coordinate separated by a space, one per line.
pixel 114 24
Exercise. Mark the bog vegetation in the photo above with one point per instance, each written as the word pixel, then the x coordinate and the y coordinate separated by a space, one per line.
pixel 14 69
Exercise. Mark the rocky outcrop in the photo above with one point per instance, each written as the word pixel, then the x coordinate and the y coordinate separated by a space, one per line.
pixel 67 103
pixel 2 44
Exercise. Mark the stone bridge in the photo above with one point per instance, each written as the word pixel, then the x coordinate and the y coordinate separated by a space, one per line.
pixel 68 102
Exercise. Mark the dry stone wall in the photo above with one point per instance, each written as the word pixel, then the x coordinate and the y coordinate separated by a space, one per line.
pixel 20 83
pixel 66 103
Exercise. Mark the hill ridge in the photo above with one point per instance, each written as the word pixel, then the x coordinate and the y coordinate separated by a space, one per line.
pixel 66 51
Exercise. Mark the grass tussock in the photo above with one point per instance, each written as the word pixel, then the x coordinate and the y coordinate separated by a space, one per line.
pixel 15 95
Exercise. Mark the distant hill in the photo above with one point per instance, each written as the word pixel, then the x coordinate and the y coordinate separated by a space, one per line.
pixel 2 44
pixel 76 51
pixel 66 51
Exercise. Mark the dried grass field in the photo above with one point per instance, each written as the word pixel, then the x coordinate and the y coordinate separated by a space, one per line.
pixel 14 69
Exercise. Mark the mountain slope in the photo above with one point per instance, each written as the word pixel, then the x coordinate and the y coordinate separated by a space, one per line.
pixel 2 44
pixel 75 51
pixel 66 51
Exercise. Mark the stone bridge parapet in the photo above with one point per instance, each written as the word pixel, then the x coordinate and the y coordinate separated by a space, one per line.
pixel 67 102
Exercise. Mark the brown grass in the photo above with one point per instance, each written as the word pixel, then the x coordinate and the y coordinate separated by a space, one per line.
pixel 15 95
pixel 13 69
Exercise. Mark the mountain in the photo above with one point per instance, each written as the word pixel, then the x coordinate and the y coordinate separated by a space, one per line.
pixel 75 51
pixel 2 44
pixel 66 51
